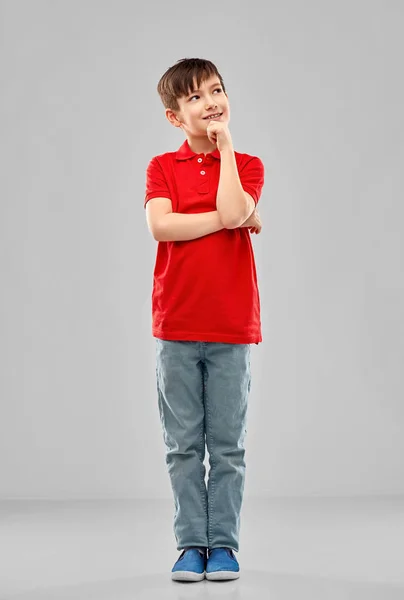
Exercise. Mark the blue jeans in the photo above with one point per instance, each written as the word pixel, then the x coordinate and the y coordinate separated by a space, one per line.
pixel 203 389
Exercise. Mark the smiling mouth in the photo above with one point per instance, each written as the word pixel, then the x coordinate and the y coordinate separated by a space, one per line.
pixel 210 118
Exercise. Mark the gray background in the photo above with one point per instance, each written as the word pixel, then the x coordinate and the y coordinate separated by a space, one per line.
pixel 316 92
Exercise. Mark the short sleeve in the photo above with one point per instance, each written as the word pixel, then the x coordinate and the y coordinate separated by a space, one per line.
pixel 156 183
pixel 252 177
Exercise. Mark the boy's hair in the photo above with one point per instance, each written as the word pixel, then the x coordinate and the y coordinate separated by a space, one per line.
pixel 178 80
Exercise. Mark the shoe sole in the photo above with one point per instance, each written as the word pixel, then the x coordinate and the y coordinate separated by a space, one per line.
pixel 221 575
pixel 187 576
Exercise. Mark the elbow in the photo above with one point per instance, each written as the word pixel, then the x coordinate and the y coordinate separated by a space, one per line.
pixel 235 221
pixel 157 234
pixel 154 233
pixel 234 224
pixel 159 231
pixel 230 222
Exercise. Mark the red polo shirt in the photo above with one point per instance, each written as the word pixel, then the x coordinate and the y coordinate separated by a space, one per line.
pixel 204 289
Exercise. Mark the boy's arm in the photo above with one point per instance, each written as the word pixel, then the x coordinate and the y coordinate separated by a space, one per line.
pixel 247 222
pixel 179 227
pixel 235 206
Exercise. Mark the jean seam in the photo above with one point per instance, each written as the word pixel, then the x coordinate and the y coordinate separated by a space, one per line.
pixel 201 448
pixel 211 471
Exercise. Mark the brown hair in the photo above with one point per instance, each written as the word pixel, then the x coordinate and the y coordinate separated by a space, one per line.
pixel 178 80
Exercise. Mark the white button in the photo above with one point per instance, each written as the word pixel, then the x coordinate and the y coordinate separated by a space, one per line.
pixel 199 160
pixel 202 172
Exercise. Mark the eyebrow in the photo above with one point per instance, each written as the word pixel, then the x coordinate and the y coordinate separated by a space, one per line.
pixel 213 85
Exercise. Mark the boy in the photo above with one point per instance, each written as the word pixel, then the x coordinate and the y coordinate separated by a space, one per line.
pixel 200 206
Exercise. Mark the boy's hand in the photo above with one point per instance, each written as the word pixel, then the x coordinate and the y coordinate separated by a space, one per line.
pixel 219 134
pixel 253 222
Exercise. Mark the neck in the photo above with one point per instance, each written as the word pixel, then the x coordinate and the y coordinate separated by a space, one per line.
pixel 201 145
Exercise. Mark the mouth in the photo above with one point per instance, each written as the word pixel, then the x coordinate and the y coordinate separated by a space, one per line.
pixel 212 118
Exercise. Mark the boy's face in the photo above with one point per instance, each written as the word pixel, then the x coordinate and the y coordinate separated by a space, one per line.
pixel 209 99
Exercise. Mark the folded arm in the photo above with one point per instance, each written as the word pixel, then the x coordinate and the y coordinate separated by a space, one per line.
pixel 234 204
pixel 167 226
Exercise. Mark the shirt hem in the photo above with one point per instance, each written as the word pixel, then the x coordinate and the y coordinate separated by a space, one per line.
pixel 208 337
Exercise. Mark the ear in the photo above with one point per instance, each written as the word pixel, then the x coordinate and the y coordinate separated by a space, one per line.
pixel 172 118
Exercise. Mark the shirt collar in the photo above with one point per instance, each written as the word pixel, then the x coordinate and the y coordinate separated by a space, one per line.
pixel 184 152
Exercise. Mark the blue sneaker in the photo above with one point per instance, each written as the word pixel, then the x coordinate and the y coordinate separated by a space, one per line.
pixel 222 564
pixel 190 565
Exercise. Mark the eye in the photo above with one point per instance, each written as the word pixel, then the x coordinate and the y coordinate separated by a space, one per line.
pixel 216 90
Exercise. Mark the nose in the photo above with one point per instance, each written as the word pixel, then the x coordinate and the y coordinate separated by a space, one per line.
pixel 211 103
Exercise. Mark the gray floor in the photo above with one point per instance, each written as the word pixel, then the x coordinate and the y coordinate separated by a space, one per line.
pixel 317 549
